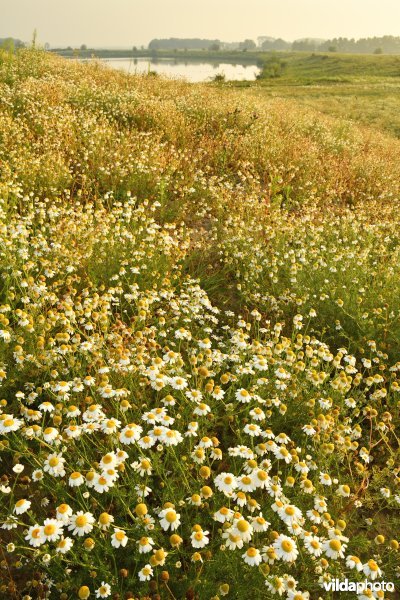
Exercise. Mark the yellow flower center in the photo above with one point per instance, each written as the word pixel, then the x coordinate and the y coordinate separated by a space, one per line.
pixel 104 518
pixel 287 546
pixel 242 526
pixel 335 545
pixel 49 529
pixel 372 565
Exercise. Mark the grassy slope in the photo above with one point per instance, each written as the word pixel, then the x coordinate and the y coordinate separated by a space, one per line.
pixel 361 87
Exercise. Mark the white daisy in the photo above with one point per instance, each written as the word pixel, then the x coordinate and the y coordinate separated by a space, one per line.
pixel 81 523
pixel 252 557
pixel 145 573
pixel 21 506
pixel 285 548
pixel 169 519
pixel 119 538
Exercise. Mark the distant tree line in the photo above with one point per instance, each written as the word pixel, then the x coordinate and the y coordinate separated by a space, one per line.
pixel 387 44
pixel 200 44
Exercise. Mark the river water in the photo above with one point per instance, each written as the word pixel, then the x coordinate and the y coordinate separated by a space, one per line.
pixel 191 70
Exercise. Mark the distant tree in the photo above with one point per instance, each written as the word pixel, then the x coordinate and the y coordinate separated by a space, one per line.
pixel 215 47
pixel 332 49
pixel 8 44
pixel 247 45
pixel 278 44
pixel 83 47
pixel 304 45
pixel 11 44
pixel 378 51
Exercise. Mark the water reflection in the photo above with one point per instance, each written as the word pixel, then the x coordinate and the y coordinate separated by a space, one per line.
pixel 191 70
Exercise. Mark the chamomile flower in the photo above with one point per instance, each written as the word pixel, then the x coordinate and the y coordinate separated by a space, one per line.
pixel 54 465
pixel 119 538
pixel 145 573
pixel 169 519
pixel 334 548
pixel 285 548
pixel 313 545
pixel 81 523
pixel 22 506
pixel 353 562
pixel 104 591
pixel 243 529
pixel 52 529
pixel 105 521
pixel 226 483
pixel 76 479
pixel 252 557
pixel 64 545
pixel 372 570
pixel 145 544
pixel 35 536
pixel 199 538
pixel 8 423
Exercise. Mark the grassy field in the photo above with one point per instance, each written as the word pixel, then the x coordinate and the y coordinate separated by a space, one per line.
pixel 199 339
pixel 375 104
pixel 303 67
pixel 361 88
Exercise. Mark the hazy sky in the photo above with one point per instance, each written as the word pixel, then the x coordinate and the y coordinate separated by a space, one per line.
pixel 136 22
